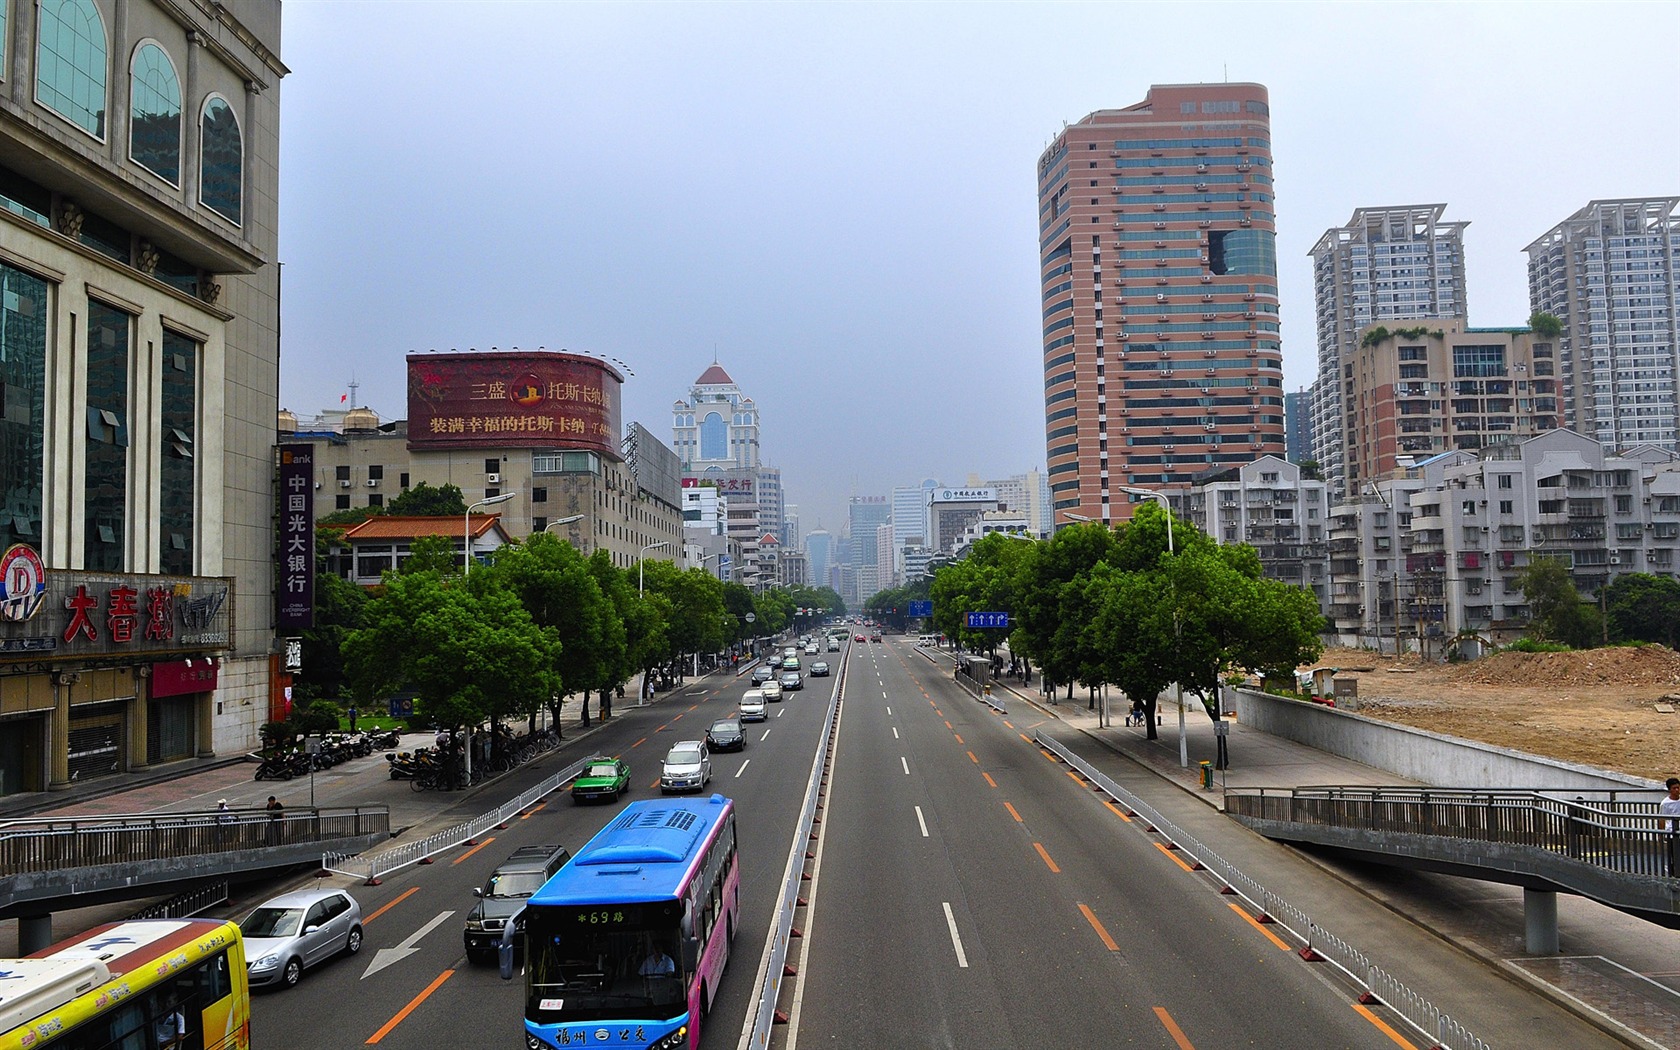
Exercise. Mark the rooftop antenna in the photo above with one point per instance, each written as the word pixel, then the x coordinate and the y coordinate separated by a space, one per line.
pixel 353 386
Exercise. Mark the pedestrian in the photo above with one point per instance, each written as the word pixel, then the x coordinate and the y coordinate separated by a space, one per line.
pixel 276 813
pixel 170 1028
pixel 224 815
pixel 1669 812
pixel 352 718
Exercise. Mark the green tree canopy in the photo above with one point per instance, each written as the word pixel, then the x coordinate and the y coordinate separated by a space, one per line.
pixel 1644 608
pixel 554 584
pixel 424 501
pixel 1555 610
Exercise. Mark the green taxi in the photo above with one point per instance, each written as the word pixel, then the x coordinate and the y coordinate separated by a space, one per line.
pixel 602 777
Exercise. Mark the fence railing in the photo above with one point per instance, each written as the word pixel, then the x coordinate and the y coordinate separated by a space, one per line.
pixel 373 867
pixel 45 844
pixel 1606 830
pixel 1318 943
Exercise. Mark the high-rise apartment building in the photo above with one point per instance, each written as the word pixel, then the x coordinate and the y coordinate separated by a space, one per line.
pixel 1385 264
pixel 1609 273
pixel 1297 426
pixel 1158 270
pixel 819 548
pixel 863 514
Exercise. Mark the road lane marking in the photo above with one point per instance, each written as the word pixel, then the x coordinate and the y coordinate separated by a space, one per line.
pixel 1006 722
pixel 1383 1027
pixel 956 941
pixel 638 743
pixel 412 1003
pixel 889 709
pixel 959 737
pixel 1252 921
pixel 388 905
pixel 922 821
pixel 905 763
pixel 973 758
pixel 1162 846
pixel 1045 854
pixel 1006 805
pixel 949 726
pixel 386 956
pixel 1176 1032
pixel 528 813
pixel 989 779
pixel 1025 737
pixel 470 852
pixel 895 732
pixel 1091 917
pixel 743 768
pixel 1118 811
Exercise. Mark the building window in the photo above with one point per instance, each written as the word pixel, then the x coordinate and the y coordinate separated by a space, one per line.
pixel 539 494
pixel 70 63
pixel 341 503
pixel 714 437
pixel 341 473
pixel 492 466
pixel 222 160
pixel 177 473
pixel 154 123
pixel 105 497
pixel 23 382
pixel 402 479
pixel 376 499
pixel 376 472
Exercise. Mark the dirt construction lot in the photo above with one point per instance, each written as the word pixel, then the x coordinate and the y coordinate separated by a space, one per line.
pixel 1599 707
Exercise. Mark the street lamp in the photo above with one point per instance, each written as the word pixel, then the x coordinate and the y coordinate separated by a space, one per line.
pixel 1178 687
pixel 466 528
pixel 562 521
pixel 640 587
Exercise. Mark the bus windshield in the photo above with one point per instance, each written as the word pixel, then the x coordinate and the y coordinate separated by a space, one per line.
pixel 583 970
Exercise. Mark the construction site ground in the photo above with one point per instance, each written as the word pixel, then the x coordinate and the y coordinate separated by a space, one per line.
pixel 1614 708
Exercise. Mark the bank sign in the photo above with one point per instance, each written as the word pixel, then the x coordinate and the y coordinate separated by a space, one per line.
pixel 965 496
pixel 68 614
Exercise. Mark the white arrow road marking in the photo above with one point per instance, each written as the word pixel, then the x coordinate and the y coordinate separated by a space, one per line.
pixel 386 956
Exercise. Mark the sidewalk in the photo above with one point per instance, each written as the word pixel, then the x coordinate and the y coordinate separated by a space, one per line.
pixel 1611 966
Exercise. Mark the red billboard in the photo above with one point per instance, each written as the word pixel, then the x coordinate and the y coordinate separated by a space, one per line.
pixel 513 399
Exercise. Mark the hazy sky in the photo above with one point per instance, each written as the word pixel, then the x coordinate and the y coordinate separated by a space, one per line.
pixel 838 199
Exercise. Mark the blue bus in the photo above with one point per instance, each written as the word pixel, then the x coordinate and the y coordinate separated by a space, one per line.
pixel 625 945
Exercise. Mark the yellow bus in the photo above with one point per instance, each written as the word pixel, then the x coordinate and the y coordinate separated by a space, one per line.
pixel 130 986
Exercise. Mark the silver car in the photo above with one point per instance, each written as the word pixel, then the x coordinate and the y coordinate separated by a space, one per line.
pixel 688 767
pixel 295 931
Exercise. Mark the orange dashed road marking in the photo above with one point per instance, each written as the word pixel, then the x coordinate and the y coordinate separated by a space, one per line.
pixel 1252 921
pixel 388 905
pixel 989 779
pixel 1008 723
pixel 949 726
pixel 1091 918
pixel 1383 1027
pixel 1118 812
pixel 1074 776
pixel 1173 856
pixel 638 743
pixel 475 849
pixel 1042 852
pixel 412 1003
pixel 1173 1030
pixel 1006 805
pixel 528 813
pixel 1027 738
pixel 972 758
pixel 959 738
pixel 1050 756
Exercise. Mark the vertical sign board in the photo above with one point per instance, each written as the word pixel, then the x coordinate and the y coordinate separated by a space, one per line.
pixel 295 597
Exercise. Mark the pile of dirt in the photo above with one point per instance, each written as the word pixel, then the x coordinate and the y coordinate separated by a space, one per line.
pixel 1646 665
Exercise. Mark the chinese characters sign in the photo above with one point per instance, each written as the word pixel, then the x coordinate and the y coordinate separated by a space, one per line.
pixel 89 614
pixel 519 398
pixel 295 596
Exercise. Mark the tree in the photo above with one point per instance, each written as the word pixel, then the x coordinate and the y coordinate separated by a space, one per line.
pixel 1051 605
pixel 434 554
pixel 426 502
pixel 559 592
pixel 1545 325
pixel 1555 610
pixel 695 623
pixel 643 621
pixel 471 652
pixel 338 611
pixel 1644 608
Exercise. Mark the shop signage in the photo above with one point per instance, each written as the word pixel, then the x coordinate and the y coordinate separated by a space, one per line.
pixel 82 614
pixel 295 599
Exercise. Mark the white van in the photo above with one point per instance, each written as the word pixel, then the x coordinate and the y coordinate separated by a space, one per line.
pixel 752 706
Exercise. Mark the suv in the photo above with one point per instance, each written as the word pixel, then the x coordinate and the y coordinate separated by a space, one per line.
pixel 687 767
pixel 504 893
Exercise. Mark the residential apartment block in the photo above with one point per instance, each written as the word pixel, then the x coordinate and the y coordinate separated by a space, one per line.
pixel 1609 272
pixel 1270 505
pixel 1384 264
pixel 1158 275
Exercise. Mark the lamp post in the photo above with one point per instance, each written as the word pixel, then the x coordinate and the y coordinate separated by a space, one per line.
pixel 466 528
pixel 641 589
pixel 1178 687
pixel 562 521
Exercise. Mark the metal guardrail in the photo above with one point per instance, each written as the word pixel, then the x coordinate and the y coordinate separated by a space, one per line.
pixel 1611 833
pixel 1318 944
pixel 372 868
pixel 772 970
pixel 186 905
pixel 47 844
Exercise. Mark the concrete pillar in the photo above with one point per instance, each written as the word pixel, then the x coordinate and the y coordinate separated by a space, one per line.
pixel 206 725
pixel 138 711
pixel 34 933
pixel 1540 921
pixel 58 759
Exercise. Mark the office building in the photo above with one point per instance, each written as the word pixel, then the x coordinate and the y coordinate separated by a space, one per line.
pixel 715 434
pixel 1609 273
pixel 952 511
pixel 1425 387
pixel 1297 426
pixel 819 550
pixel 863 514
pixel 139 362
pixel 1158 272
pixel 1385 264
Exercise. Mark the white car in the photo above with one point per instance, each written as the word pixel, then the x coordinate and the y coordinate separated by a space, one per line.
pixel 688 767
pixel 752 706
pixel 293 931
pixel 771 691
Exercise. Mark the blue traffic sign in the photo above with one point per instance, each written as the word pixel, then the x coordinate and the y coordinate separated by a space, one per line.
pixel 921 608
pixel 988 619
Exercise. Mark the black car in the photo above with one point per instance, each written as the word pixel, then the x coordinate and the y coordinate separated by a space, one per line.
pixel 725 735
pixel 762 673
pixel 514 879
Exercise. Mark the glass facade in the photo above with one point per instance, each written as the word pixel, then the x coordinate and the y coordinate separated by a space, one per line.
pixel 70 63
pixel 177 474
pixel 105 499
pixel 154 131
pixel 23 383
pixel 714 437
pixel 222 167
pixel 1243 252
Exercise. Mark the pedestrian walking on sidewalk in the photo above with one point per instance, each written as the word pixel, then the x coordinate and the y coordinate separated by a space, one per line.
pixel 1669 812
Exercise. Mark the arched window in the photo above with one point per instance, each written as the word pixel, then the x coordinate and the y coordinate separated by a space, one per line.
pixel 222 165
pixel 714 437
pixel 70 63
pixel 154 129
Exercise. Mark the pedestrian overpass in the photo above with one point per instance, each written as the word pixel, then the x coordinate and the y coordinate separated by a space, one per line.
pixel 1609 846
pixel 52 863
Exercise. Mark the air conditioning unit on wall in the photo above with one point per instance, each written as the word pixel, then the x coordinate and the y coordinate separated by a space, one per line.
pixel 492 479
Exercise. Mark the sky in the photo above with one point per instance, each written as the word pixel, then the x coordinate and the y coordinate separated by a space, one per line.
pixel 837 201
